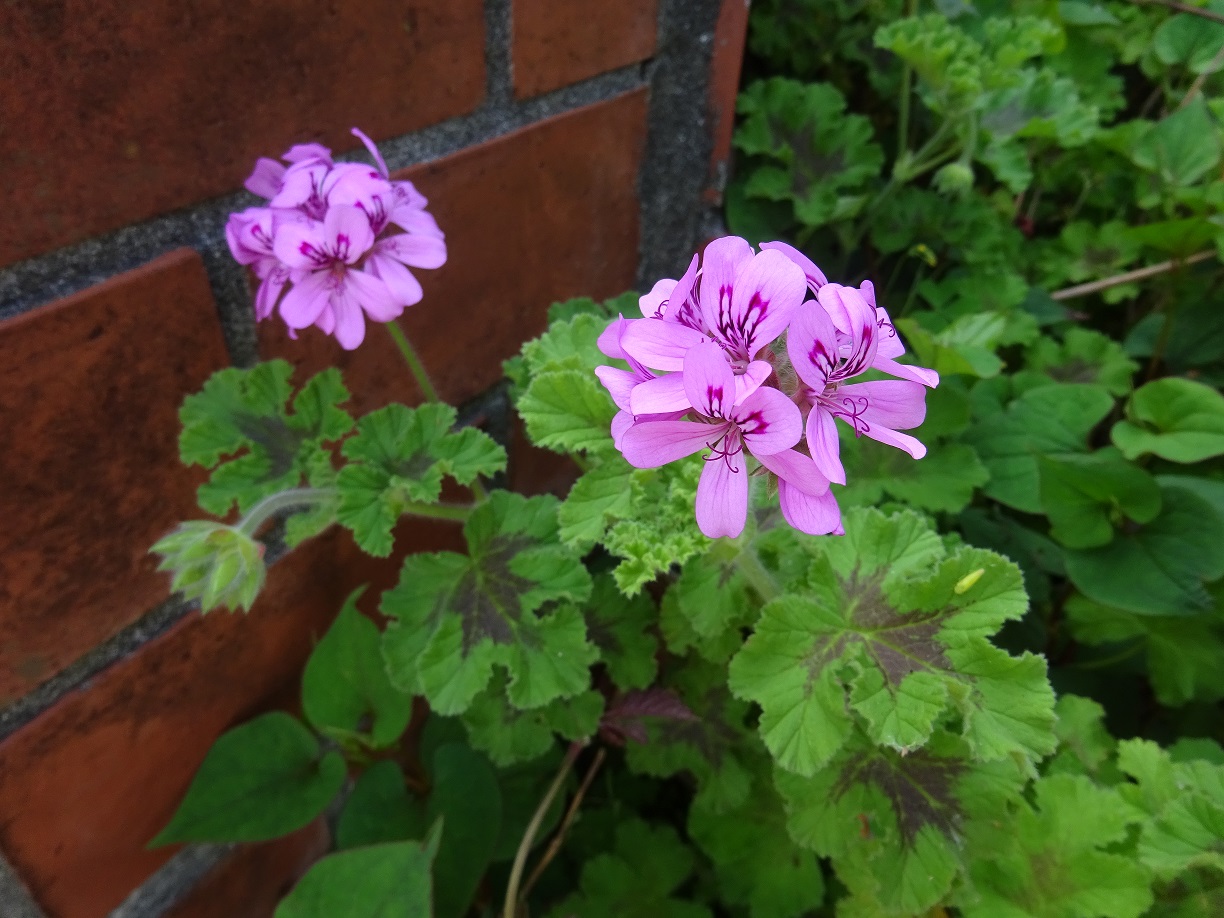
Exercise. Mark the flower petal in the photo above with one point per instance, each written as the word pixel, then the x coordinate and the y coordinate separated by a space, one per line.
pixel 721 263
pixel 619 383
pixel 769 421
pixel 797 470
pixel 372 295
pixel 813 514
pixel 855 317
pixel 404 288
pixel 265 179
pixel 305 300
pixel 751 379
pixel 811 344
pixel 620 423
pixel 414 250
pixel 891 403
pixel 650 444
pixel 350 320
pixel 301 245
pixel 682 306
pixel 660 395
pixel 369 145
pixel 813 275
pixel 653 304
pixel 659 345
pixel 708 379
pixel 824 445
pixel 722 497
pixel 347 233
pixel 928 378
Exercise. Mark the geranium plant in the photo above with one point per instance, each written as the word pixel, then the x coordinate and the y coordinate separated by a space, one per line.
pixel 789 645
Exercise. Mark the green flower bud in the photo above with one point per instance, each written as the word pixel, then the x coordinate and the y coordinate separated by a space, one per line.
pixel 217 564
pixel 954 179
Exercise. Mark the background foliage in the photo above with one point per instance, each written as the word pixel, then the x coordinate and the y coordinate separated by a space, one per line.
pixel 996 695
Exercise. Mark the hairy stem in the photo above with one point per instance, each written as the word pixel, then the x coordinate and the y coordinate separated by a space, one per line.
pixel 555 845
pixel 275 503
pixel 510 906
pixel 413 360
pixel 458 512
pixel 1068 293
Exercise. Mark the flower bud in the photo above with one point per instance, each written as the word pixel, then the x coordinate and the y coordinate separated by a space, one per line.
pixel 954 179
pixel 214 563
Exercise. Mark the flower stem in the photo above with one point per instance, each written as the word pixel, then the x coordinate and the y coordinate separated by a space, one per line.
pixel 510 907
pixel 275 503
pixel 748 563
pixel 1068 293
pixel 413 360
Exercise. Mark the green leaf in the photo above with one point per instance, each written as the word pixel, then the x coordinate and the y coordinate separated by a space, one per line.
pixel 245 411
pixel 1184 655
pixel 345 687
pixel 1188 40
pixel 1048 859
pixel 399 457
pixel 636 879
pixel 966 346
pixel 568 411
pixel 568 345
pixel 901 652
pixel 758 864
pixel 1158 568
pixel 622 628
pixel 660 529
pixel 507 735
pixel 711 747
pixel 1084 496
pixel 892 823
pixel 1085 746
pixel 943 481
pixel 379 809
pixel 707 607
pixel 601 496
pixel 1182 147
pixel 1084 356
pixel 1052 421
pixel 454 618
pixel 1176 419
pixel 382 881
pixel 467 800
pixel 261 780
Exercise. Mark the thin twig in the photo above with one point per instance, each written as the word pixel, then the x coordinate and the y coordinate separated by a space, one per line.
pixel 1069 293
pixel 1184 8
pixel 555 845
pixel 1193 91
pixel 510 907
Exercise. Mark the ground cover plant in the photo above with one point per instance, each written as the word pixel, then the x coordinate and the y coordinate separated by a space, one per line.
pixel 890 583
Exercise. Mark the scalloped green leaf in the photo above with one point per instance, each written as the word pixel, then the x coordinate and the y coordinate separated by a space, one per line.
pixel 245 414
pixel 1176 419
pixel 509 603
pixel 399 457
pixel 894 651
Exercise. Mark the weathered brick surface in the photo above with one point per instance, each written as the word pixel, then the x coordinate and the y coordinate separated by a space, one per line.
pixel 252 880
pixel 546 213
pixel 115 112
pixel 558 44
pixel 89 474
pixel 730 33
pixel 85 786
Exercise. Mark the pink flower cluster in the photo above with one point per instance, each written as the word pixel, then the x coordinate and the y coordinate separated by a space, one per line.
pixel 335 241
pixel 708 370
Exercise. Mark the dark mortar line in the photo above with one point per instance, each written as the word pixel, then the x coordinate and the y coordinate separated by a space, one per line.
pixel 45 278
pixel 678 143
pixel 171 883
pixel 499 64
pixel 15 899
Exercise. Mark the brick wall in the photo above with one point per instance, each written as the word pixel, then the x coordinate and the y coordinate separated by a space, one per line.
pixel 567 147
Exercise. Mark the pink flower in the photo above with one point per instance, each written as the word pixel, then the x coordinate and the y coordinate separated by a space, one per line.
pixel 825 357
pixel 763 423
pixel 335 243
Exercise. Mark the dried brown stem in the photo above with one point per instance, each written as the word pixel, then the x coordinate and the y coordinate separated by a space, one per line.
pixel 1184 8
pixel 1069 293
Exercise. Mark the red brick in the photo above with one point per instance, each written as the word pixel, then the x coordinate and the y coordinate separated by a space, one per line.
pixel 115 112
pixel 89 395
pixel 561 42
pixel 85 785
pixel 252 880
pixel 730 33
pixel 543 214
